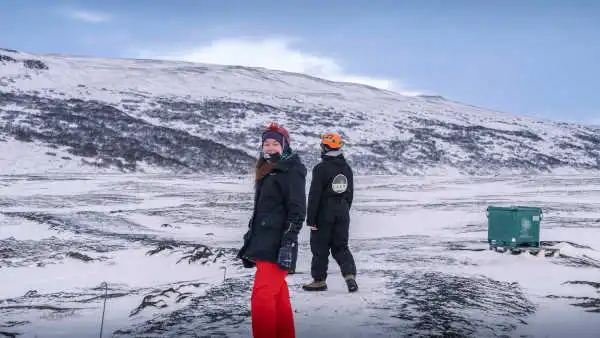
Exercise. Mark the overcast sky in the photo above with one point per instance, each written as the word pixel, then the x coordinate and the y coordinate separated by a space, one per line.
pixel 538 58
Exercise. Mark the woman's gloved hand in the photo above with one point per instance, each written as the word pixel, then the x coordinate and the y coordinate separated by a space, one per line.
pixel 248 264
pixel 289 245
pixel 285 258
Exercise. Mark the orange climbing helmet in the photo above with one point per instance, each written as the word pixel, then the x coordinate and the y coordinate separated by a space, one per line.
pixel 332 141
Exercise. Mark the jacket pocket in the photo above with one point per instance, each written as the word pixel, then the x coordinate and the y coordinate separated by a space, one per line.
pixel 272 221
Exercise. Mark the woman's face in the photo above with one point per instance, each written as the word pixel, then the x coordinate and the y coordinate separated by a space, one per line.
pixel 271 146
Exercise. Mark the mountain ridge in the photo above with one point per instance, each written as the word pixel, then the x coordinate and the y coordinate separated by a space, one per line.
pixel 177 112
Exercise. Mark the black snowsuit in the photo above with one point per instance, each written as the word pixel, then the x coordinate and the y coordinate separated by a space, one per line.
pixel 329 203
pixel 279 207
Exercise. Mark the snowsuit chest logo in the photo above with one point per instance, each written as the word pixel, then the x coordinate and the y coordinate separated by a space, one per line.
pixel 339 184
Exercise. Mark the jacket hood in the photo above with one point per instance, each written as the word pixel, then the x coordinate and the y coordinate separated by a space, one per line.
pixel 291 163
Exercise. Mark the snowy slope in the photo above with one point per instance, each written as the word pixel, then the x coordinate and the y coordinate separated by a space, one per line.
pixel 176 112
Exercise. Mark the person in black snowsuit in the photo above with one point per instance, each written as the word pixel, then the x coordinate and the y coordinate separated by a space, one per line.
pixel 328 214
pixel 271 242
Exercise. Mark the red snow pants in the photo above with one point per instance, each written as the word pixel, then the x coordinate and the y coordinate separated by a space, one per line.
pixel 271 310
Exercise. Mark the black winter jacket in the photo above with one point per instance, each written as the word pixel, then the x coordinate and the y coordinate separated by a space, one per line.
pixel 279 206
pixel 324 203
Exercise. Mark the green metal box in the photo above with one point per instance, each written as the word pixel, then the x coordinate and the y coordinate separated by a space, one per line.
pixel 514 226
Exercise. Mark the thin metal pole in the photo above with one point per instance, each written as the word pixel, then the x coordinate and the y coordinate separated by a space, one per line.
pixel 103 307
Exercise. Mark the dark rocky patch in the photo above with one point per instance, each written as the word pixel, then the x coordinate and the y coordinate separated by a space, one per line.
pixel 590 304
pixel 210 315
pixel 83 297
pixel 595 285
pixel 36 307
pixel 439 304
pixel 201 253
pixel 110 136
pixel 54 201
pixel 6 59
pixel 18 253
pixel 160 298
pixel 54 305
pixel 113 138
pixel 583 262
pixel 463 247
pixel 193 253
pixel 35 64
pixel 79 256
pixel 573 244
pixel 90 223
pixel 11 325
pixel 473 139
pixel 419 260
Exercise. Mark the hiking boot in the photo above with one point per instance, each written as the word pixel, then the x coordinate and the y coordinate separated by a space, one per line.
pixel 351 283
pixel 315 286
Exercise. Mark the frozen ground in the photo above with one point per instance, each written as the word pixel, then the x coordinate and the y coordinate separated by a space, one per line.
pixel 163 245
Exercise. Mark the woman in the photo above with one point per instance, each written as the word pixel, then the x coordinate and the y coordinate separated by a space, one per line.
pixel 271 243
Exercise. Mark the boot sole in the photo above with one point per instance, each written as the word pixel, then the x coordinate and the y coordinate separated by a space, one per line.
pixel 315 289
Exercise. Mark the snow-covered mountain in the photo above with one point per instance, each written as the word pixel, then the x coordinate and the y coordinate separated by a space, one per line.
pixel 61 111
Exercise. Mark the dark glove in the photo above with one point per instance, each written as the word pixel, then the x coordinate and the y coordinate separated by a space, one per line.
pixel 245 261
pixel 247 236
pixel 288 250
pixel 285 258
pixel 248 264
pixel 289 238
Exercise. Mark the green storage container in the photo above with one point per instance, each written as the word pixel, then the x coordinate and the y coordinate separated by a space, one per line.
pixel 514 226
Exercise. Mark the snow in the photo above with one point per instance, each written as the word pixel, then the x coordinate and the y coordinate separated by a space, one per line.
pixel 402 229
pixel 105 79
pixel 364 115
pixel 23 157
pixel 419 242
